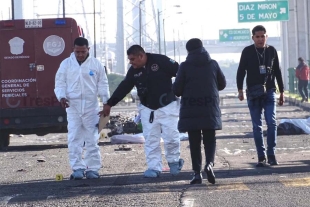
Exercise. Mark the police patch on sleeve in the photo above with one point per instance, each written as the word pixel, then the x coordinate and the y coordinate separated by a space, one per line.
pixel 173 61
pixel 154 67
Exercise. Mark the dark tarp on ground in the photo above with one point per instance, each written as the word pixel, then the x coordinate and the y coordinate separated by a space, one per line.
pixel 289 129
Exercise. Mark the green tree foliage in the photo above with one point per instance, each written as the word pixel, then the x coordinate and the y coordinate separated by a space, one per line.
pixel 229 69
pixel 114 81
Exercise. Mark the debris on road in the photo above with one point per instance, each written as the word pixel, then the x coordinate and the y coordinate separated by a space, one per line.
pixel 127 138
pixel 123 148
pixel 294 126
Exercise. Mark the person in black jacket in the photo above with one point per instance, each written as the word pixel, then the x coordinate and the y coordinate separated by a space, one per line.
pixel 198 81
pixel 152 75
pixel 260 63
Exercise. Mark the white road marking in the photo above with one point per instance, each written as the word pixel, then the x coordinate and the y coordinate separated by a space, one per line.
pixel 6 199
pixel 239 151
pixel 235 151
pixel 189 202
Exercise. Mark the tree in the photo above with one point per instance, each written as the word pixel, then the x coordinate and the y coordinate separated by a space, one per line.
pixel 114 81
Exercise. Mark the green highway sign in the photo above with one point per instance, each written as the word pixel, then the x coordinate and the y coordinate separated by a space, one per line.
pixel 228 35
pixel 262 11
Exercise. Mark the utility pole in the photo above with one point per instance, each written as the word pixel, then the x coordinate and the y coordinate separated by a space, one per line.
pixel 12 5
pixel 164 36
pixel 63 9
pixel 121 63
pixel 140 23
pixel 306 18
pixel 94 1
pixel 173 44
pixel 103 36
pixel 172 31
pixel 159 45
pixel 179 45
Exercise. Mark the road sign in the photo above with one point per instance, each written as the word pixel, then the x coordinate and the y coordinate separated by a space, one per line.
pixel 228 35
pixel 263 11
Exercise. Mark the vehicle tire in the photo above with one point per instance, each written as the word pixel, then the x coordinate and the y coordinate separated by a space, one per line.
pixel 4 140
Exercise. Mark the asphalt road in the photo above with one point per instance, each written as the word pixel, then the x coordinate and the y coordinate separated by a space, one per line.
pixel 30 166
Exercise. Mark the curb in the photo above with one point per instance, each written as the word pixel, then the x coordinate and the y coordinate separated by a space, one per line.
pixel 295 102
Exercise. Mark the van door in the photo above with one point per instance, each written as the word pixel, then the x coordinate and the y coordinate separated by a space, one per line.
pixel 54 43
pixel 17 66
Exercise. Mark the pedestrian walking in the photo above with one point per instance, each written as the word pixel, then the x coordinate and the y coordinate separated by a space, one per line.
pixel 259 62
pixel 302 74
pixel 198 82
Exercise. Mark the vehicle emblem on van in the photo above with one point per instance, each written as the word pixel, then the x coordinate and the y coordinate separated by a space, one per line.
pixel 40 67
pixel 53 45
pixel 16 45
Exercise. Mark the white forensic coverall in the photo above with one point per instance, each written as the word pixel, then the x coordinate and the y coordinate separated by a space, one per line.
pixel 81 85
pixel 164 125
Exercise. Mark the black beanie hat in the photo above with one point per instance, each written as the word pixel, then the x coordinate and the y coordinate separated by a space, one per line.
pixel 193 44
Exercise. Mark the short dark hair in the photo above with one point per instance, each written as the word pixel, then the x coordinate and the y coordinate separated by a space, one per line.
pixel 135 50
pixel 258 28
pixel 301 59
pixel 81 41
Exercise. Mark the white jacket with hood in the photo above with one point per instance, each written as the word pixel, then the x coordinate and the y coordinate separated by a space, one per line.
pixel 81 84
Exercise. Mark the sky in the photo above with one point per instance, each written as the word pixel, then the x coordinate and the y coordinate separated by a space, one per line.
pixel 198 18
pixel 183 18
pixel 204 18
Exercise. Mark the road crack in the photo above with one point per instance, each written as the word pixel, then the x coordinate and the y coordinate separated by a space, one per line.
pixel 224 161
pixel 181 203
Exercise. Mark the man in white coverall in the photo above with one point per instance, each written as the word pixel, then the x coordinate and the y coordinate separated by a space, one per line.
pixel 151 74
pixel 79 81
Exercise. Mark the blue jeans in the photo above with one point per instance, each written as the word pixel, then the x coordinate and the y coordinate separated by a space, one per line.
pixel 256 106
pixel 303 89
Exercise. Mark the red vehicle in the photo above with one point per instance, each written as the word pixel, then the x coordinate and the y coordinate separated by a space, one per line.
pixel 31 52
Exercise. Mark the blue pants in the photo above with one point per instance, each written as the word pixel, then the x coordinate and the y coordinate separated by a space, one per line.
pixel 256 106
pixel 303 89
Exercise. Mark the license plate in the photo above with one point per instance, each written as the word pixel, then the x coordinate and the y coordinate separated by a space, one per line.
pixel 33 23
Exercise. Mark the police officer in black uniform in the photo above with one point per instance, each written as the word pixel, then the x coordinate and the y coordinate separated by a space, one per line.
pixel 152 75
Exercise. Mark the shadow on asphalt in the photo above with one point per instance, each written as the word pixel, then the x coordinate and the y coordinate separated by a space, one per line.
pixel 238 136
pixel 287 168
pixel 227 106
pixel 23 148
pixel 130 183
pixel 289 111
pixel 126 183
pixel 34 147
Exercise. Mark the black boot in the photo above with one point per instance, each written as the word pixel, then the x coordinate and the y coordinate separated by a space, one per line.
pixel 272 160
pixel 210 174
pixel 197 179
pixel 261 162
